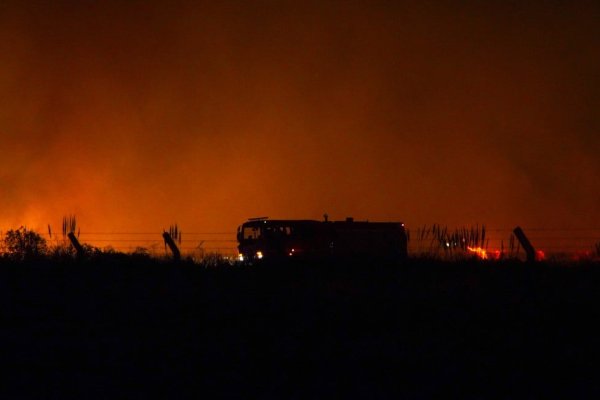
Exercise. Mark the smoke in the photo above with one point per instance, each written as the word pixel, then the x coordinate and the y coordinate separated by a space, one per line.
pixel 135 115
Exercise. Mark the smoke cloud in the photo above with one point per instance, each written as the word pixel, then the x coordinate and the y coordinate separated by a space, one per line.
pixel 134 115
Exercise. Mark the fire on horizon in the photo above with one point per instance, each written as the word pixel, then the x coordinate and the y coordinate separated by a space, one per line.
pixel 133 115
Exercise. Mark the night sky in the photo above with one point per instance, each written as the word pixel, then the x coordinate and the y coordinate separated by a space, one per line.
pixel 137 114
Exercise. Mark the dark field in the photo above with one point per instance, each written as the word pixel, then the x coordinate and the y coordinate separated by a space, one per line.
pixel 123 328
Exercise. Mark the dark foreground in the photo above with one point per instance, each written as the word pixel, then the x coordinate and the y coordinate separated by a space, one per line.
pixel 124 329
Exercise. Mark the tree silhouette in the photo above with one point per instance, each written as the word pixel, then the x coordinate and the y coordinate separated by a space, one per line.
pixel 24 244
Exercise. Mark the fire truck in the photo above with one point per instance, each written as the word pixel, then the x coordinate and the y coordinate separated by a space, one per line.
pixel 266 239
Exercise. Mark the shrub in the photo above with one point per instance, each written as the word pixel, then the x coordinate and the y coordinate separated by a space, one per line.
pixel 212 260
pixel 24 244
pixel 61 251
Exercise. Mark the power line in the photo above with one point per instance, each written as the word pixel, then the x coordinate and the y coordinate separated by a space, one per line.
pixel 232 234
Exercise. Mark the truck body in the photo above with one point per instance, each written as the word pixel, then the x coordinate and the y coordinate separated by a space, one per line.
pixel 263 238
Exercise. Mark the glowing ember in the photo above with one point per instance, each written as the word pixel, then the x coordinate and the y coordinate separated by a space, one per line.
pixel 481 253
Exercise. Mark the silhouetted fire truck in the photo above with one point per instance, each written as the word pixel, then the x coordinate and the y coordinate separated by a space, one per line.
pixel 263 238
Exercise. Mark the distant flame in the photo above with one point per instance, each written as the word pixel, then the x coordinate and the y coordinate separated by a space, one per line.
pixel 497 254
pixel 539 255
pixel 481 253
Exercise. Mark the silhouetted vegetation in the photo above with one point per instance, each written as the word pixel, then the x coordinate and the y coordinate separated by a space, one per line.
pixel 433 240
pixel 133 325
pixel 23 245
pixel 128 325
pixel 213 260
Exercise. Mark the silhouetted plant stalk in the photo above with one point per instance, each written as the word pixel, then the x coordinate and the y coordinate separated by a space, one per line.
pixel 438 241
pixel 175 233
pixel 200 250
pixel 69 225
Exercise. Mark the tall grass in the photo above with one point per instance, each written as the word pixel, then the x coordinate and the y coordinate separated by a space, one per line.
pixel 440 242
pixel 69 225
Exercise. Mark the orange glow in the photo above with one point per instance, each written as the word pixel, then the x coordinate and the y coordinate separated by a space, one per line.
pixel 205 115
pixel 480 252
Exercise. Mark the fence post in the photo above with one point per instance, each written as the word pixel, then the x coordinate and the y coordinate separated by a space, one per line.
pixel 75 243
pixel 529 250
pixel 171 243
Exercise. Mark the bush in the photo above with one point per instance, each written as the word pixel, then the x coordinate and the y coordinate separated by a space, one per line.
pixel 23 244
pixel 212 260
pixel 61 251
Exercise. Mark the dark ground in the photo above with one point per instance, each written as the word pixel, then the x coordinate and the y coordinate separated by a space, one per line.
pixel 138 329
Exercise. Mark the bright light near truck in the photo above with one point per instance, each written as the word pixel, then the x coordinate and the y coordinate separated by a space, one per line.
pixel 240 257
pixel 259 254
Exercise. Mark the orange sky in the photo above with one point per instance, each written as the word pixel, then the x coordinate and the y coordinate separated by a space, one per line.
pixel 135 115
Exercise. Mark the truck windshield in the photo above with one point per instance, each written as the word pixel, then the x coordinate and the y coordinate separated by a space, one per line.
pixel 251 232
pixel 270 231
pixel 277 231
